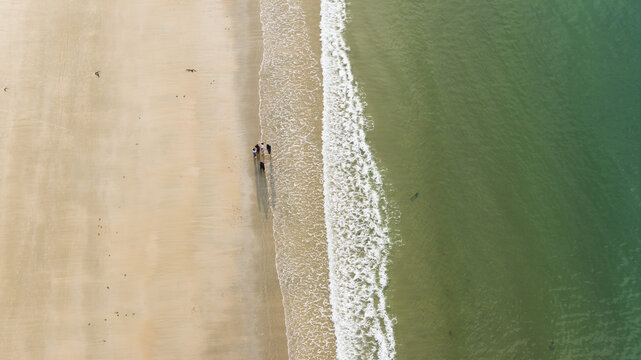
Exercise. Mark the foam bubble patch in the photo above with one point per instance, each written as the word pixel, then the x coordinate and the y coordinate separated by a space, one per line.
pixel 357 230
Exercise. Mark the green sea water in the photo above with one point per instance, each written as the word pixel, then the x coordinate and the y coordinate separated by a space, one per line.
pixel 509 133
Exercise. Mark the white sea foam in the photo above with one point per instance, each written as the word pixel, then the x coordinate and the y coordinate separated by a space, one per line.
pixel 290 94
pixel 357 231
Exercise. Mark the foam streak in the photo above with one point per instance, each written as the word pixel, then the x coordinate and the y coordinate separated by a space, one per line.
pixel 357 231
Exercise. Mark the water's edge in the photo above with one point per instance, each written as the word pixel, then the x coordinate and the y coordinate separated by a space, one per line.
pixel 290 111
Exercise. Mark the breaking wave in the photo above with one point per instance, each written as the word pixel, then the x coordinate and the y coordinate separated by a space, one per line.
pixel 355 219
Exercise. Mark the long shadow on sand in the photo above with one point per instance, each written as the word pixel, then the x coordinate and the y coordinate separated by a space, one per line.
pixel 262 192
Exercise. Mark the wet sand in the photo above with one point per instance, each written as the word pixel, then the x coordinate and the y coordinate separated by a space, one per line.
pixel 131 224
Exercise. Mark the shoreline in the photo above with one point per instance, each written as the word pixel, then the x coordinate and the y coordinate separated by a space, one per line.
pixel 271 314
pixel 128 221
pixel 291 107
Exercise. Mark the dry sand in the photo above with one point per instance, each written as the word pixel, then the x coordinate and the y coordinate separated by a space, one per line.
pixel 129 223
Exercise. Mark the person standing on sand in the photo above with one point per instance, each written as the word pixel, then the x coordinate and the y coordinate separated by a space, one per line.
pixel 262 148
pixel 269 149
pixel 254 152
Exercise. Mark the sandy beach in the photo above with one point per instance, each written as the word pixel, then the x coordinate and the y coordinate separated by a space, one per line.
pixel 130 219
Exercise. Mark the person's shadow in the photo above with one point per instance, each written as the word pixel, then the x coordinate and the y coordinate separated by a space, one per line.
pixel 262 193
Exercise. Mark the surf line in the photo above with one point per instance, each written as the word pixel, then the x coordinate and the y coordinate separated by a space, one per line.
pixel 357 228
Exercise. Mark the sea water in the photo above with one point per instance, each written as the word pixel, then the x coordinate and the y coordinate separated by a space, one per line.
pixel 456 179
pixel 508 137
pixel 355 207
pixel 290 93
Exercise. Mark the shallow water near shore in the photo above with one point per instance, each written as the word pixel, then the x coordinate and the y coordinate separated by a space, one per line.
pixel 290 118
pixel 508 138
